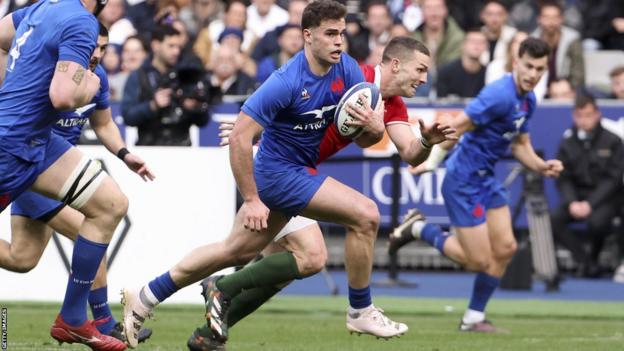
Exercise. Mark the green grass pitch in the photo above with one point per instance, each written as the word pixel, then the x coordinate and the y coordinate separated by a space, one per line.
pixel 317 323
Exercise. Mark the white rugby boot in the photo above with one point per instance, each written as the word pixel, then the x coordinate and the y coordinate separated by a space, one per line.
pixel 135 312
pixel 372 320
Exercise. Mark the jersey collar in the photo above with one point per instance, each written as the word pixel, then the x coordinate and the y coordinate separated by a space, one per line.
pixel 377 79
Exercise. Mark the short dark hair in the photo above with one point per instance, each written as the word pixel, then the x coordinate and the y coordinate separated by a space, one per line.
pixel 378 3
pixel 551 3
pixel 163 31
pixel 398 46
pixel 616 71
pixel 583 100
pixel 322 10
pixel 103 30
pixel 534 47
pixel 499 2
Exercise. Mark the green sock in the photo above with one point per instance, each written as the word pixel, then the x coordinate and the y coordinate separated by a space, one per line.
pixel 269 271
pixel 243 305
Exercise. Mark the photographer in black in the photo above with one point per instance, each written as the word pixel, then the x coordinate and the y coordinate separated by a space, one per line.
pixel 164 99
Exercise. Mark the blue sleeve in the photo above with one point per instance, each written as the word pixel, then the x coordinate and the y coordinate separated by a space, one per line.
pixel 102 99
pixel 78 40
pixel 17 16
pixel 133 110
pixel 487 106
pixel 353 73
pixel 273 95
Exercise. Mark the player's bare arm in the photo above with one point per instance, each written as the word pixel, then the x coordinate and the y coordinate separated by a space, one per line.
pixel 245 130
pixel 72 86
pixel 7 32
pixel 461 124
pixel 414 150
pixel 523 151
pixel 108 133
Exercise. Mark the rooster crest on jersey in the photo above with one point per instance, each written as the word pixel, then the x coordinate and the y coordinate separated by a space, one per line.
pixel 352 96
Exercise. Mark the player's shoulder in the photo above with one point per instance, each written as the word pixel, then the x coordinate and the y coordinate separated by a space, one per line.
pixel 501 91
pixel 348 62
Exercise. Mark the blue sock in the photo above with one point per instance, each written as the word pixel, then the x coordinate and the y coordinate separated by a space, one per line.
pixel 98 300
pixel 484 286
pixel 434 236
pixel 86 259
pixel 360 298
pixel 162 287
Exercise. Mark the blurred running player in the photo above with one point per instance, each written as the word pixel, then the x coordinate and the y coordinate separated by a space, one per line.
pixel 46 58
pixel 34 217
pixel 404 67
pixel 476 202
pixel 293 107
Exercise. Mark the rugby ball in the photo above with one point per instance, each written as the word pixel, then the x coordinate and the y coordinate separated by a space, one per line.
pixel 352 96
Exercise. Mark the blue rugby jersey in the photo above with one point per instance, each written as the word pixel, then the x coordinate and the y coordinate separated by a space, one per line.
pixel 499 114
pixel 48 31
pixel 295 106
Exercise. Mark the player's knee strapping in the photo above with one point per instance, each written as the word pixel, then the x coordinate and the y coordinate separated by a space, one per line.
pixel 82 183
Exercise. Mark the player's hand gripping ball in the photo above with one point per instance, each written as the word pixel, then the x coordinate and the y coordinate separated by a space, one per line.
pixel 352 96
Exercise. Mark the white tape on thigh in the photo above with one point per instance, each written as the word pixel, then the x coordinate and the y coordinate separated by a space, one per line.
pixel 82 183
pixel 295 223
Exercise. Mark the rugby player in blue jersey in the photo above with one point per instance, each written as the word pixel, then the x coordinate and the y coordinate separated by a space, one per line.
pixel 46 59
pixel 34 217
pixel 477 203
pixel 292 109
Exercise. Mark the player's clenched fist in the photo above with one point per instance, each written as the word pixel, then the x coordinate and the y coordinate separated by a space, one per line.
pixel 255 215
pixel 553 168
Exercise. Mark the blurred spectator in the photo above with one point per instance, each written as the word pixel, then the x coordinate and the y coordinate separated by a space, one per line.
pixel 593 159
pixel 465 76
pixel 187 56
pixel 440 33
pixel 142 16
pixel 233 38
pixel 412 17
pixel 199 15
pixel 267 45
pixel 524 13
pixel 157 99
pixel 290 41
pixel 263 16
pixel 226 74
pixel 133 54
pixel 119 28
pixel 499 34
pixel 617 83
pixel 596 25
pixel 615 38
pixel 465 12
pixel 376 31
pixel 235 16
pixel 147 15
pixel 566 58
pixel 561 90
pixel 111 61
